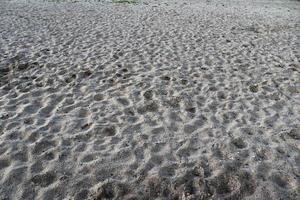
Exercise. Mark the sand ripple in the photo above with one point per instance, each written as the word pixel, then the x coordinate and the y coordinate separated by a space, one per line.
pixel 156 100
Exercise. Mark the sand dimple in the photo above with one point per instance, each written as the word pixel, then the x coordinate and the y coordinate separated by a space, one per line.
pixel 43 146
pixel 4 163
pixel 152 100
pixel 44 180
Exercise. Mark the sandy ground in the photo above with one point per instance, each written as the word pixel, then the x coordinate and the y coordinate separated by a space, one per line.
pixel 161 100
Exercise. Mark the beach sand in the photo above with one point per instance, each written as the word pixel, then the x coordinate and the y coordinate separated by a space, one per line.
pixel 170 99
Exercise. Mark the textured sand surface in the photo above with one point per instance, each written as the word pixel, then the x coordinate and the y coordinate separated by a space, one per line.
pixel 168 99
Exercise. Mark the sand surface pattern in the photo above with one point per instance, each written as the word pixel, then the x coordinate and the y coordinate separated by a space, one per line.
pixel 170 99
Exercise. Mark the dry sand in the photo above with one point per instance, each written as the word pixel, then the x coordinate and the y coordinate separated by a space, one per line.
pixel 156 100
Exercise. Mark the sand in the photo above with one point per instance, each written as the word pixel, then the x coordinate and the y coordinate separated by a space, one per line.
pixel 171 99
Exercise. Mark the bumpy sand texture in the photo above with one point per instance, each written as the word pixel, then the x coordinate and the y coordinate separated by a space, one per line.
pixel 155 100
